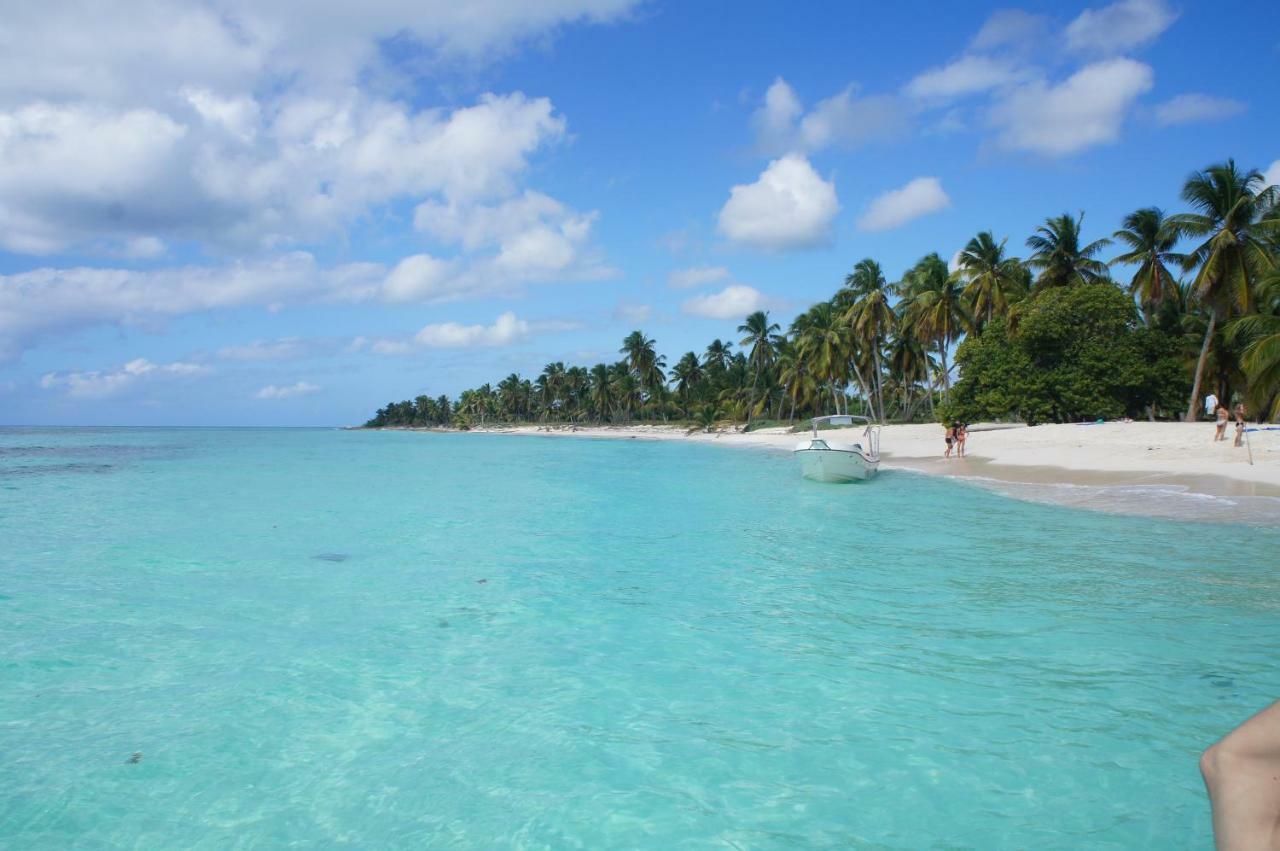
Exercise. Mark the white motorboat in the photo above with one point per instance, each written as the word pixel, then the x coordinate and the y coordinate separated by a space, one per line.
pixel 825 460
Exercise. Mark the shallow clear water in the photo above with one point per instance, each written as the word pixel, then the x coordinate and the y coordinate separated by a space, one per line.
pixel 399 640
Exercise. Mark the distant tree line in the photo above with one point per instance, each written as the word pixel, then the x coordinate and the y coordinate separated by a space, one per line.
pixel 1049 337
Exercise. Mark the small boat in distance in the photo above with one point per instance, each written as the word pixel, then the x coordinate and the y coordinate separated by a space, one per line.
pixel 830 461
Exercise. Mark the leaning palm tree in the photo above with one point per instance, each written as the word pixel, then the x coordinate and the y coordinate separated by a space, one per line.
pixel 1150 237
pixel 762 337
pixel 1235 213
pixel 1058 254
pixel 992 280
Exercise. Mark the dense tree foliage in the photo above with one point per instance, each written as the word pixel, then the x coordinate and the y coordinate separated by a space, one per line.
pixel 1079 353
pixel 1051 337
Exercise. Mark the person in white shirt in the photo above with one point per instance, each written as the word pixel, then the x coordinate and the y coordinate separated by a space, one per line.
pixel 1210 405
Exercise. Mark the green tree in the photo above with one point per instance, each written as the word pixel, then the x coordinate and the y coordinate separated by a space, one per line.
pixel 1080 353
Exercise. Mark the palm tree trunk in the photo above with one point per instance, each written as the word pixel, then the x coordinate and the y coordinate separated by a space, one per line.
pixel 1204 356
pixel 946 372
pixel 752 404
pixel 879 384
pixel 862 385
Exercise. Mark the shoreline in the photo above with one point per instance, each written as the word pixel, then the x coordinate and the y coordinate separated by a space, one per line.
pixel 1153 469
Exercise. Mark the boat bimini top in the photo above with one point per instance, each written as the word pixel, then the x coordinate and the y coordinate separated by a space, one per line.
pixel 872 432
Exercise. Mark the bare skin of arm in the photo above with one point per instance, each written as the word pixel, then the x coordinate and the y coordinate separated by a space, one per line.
pixel 1242 774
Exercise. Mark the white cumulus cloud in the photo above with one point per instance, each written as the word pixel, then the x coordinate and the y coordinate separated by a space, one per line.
pixel 1009 27
pixel 896 207
pixel 287 391
pixel 733 302
pixel 1189 108
pixel 966 75
pixel 843 120
pixel 696 276
pixel 504 331
pixel 101 384
pixel 1086 109
pixel 789 206
pixel 1119 27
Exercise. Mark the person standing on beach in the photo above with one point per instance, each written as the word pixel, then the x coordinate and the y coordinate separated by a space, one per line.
pixel 951 436
pixel 1240 424
pixel 1221 433
pixel 962 434
pixel 1210 405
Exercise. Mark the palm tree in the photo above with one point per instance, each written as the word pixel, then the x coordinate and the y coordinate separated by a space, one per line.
pixel 909 364
pixel 1150 237
pixel 550 387
pixel 935 309
pixel 601 391
pixel 687 374
pixel 870 317
pixel 717 355
pixel 644 361
pixel 509 397
pixel 1061 259
pixel 762 337
pixel 794 376
pixel 1258 338
pixel 576 381
pixel 825 344
pixel 1236 214
pixel 626 389
pixel 992 281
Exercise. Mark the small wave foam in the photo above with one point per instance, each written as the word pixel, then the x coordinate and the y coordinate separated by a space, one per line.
pixel 1170 500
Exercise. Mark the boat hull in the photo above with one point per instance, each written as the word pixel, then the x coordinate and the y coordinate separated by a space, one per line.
pixel 835 465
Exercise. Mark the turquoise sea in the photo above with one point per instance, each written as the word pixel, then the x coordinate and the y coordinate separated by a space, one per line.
pixel 328 639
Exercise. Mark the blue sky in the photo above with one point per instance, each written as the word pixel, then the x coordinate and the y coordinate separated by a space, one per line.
pixel 212 213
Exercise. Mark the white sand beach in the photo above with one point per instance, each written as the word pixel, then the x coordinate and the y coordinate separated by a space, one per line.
pixel 1114 466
